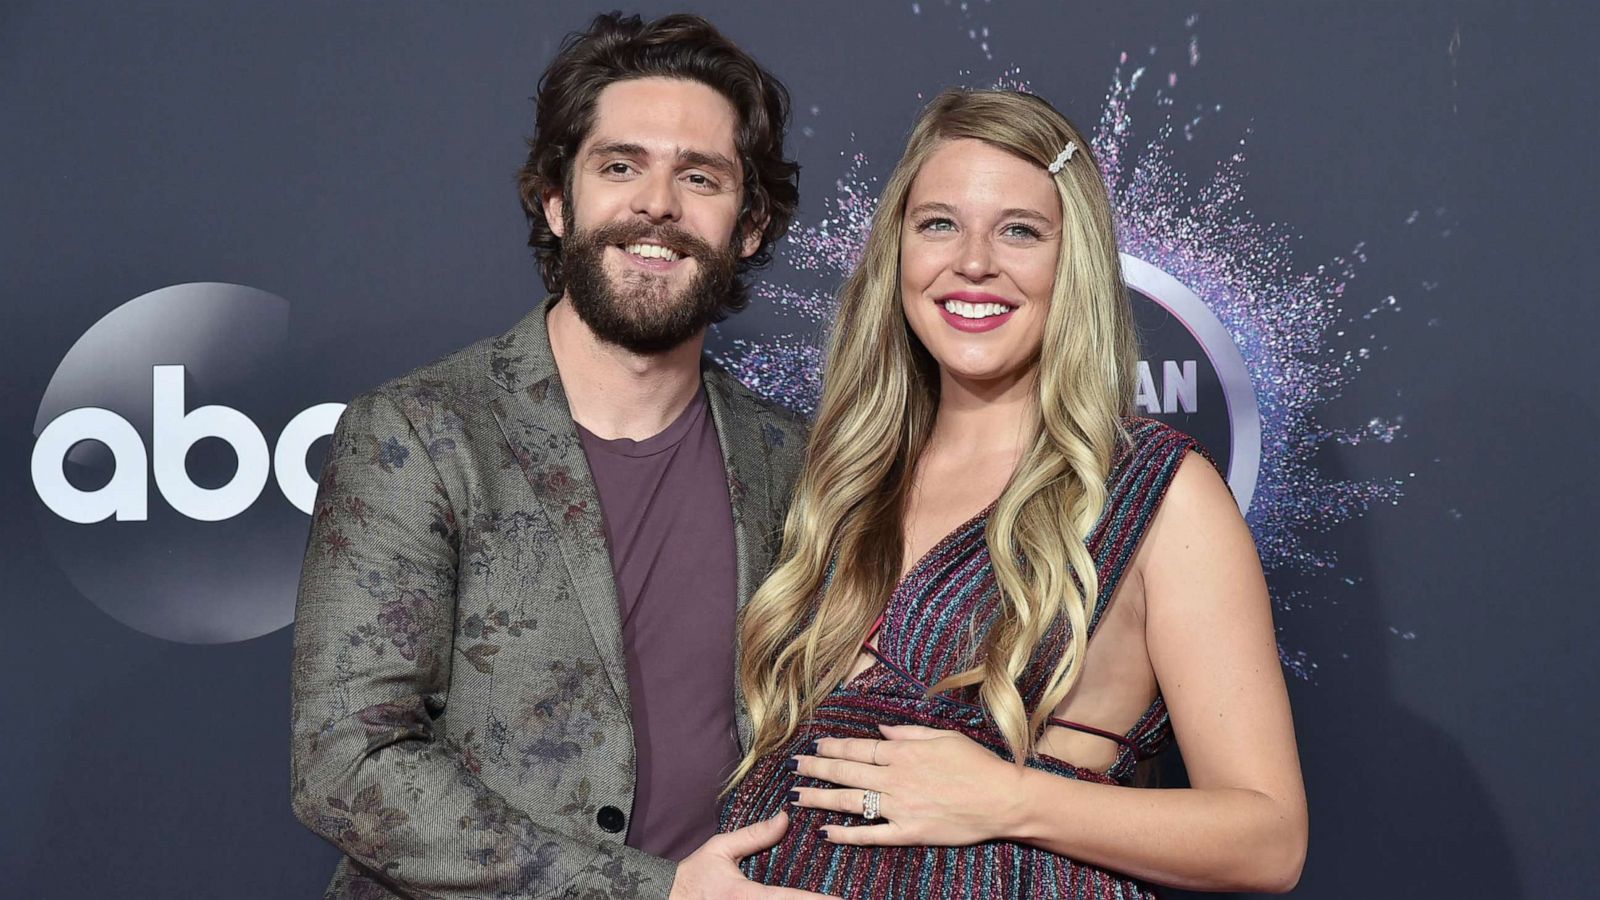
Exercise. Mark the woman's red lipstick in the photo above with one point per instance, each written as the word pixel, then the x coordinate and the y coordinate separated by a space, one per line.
pixel 974 326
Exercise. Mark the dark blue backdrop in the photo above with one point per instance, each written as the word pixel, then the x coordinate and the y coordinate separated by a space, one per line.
pixel 356 160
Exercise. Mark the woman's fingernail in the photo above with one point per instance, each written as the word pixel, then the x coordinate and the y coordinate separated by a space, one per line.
pixel 794 796
pixel 811 748
pixel 824 833
pixel 792 763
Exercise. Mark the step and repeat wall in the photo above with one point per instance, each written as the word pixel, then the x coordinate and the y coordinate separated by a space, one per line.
pixel 1338 225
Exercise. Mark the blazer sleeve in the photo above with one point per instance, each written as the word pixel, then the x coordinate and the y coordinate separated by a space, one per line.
pixel 373 645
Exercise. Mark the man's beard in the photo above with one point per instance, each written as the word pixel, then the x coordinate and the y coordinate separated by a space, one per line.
pixel 639 311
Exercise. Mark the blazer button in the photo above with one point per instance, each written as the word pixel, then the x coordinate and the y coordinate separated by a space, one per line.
pixel 611 819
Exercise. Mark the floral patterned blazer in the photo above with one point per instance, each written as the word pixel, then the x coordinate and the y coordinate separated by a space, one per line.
pixel 460 719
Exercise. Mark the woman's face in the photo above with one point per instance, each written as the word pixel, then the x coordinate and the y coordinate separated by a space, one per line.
pixel 978 256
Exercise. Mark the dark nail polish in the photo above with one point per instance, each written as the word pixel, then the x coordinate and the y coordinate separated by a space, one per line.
pixel 811 748
pixel 794 796
pixel 792 763
pixel 824 833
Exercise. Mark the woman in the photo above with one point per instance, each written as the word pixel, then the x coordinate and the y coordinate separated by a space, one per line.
pixel 988 560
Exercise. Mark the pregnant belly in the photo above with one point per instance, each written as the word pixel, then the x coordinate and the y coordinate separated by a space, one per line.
pixel 803 859
pixel 876 696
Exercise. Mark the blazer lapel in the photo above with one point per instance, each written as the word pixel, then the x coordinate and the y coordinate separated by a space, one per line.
pixel 537 425
pixel 755 529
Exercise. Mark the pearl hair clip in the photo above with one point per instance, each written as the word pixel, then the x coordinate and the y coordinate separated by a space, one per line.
pixel 1062 157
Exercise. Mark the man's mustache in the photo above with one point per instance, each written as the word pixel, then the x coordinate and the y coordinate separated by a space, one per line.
pixel 670 236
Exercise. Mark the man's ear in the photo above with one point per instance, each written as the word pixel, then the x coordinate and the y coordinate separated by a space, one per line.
pixel 752 238
pixel 554 205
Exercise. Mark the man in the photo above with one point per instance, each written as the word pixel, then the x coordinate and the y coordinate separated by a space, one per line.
pixel 513 671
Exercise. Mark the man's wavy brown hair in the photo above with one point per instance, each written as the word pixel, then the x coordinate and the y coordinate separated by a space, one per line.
pixel 618 48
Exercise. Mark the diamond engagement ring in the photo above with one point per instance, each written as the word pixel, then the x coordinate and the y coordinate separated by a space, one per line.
pixel 869 804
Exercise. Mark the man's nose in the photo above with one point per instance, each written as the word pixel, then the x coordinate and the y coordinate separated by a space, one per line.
pixel 657 197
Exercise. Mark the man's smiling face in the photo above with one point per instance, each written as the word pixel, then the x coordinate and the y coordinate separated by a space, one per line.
pixel 650 238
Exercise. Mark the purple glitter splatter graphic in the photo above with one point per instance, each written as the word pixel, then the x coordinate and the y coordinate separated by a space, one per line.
pixel 1285 321
pixel 787 368
pixel 1280 317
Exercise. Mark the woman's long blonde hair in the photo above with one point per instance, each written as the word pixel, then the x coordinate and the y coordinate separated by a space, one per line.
pixel 802 630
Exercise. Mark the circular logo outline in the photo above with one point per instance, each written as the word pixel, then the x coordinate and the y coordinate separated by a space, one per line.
pixel 1238 391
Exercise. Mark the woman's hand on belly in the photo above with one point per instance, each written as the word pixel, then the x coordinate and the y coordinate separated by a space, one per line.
pixel 938 788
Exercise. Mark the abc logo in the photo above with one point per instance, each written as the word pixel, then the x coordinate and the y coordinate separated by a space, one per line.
pixel 175 432
pixel 179 390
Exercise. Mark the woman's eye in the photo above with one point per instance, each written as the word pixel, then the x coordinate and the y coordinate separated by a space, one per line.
pixel 936 225
pixel 1021 231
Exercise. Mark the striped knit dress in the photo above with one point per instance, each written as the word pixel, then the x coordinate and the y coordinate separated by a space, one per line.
pixel 936 616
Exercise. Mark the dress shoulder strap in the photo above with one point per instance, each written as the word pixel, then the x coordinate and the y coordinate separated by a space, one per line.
pixel 1139 479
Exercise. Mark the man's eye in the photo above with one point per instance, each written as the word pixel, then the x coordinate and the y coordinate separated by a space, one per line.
pixel 617 168
pixel 700 179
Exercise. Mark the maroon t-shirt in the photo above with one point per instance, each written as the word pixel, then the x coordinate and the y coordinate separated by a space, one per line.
pixel 664 501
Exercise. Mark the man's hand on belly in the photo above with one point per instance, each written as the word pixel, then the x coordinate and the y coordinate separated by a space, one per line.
pixel 712 872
